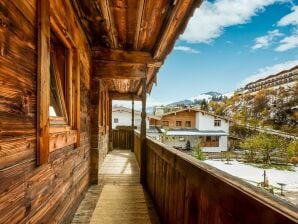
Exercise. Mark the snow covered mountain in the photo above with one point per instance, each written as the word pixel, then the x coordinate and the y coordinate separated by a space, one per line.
pixel 203 96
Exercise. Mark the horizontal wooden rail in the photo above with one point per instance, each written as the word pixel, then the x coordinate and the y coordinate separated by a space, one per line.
pixel 186 190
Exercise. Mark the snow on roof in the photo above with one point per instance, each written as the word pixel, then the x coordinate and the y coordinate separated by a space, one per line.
pixel 195 110
pixel 196 133
pixel 124 109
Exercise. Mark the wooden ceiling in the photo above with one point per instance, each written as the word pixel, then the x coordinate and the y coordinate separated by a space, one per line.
pixel 130 39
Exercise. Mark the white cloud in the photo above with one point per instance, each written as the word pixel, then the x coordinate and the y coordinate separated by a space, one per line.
pixel 269 70
pixel 186 49
pixel 291 41
pixel 290 19
pixel 211 18
pixel 288 43
pixel 266 40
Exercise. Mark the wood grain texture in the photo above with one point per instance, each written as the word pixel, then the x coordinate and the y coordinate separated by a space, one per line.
pixel 186 190
pixel 52 191
pixel 118 198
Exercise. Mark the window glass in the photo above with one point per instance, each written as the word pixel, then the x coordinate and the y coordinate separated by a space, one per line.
pixel 58 78
pixel 187 124
pixel 217 123
pixel 178 123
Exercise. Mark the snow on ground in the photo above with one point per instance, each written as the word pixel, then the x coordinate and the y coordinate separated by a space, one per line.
pixel 253 174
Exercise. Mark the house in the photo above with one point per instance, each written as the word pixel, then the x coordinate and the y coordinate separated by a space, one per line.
pixel 122 116
pixel 194 125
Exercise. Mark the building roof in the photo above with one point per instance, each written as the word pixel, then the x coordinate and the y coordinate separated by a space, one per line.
pixel 270 76
pixel 192 109
pixel 195 132
pixel 124 109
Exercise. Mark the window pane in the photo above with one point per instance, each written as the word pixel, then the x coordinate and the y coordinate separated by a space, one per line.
pixel 55 100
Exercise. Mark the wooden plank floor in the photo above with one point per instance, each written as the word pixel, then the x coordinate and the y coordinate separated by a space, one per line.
pixel 119 198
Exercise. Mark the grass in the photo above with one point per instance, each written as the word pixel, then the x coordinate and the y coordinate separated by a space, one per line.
pixel 274 166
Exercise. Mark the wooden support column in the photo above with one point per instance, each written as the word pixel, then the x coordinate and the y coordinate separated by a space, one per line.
pixel 132 121
pixel 43 81
pixel 143 133
pixel 110 125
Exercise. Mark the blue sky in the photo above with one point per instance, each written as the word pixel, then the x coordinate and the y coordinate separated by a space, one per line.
pixel 226 44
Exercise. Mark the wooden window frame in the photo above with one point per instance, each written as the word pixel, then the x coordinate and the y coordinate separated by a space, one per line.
pixel 188 126
pixel 178 122
pixel 52 133
pixel 165 122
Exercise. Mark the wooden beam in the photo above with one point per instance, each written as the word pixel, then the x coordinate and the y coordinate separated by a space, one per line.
pixel 132 121
pixel 140 13
pixel 123 96
pixel 118 70
pixel 176 23
pixel 43 81
pixel 106 54
pixel 143 134
pixel 110 26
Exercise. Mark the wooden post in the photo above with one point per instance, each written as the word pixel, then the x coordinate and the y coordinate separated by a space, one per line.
pixel 143 133
pixel 132 121
pixel 110 125
pixel 43 81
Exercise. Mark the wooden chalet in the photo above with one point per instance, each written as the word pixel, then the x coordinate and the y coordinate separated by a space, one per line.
pixel 62 62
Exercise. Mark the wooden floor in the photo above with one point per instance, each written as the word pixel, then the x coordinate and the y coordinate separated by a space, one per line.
pixel 119 198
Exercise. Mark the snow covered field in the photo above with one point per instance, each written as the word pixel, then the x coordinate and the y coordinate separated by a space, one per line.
pixel 253 174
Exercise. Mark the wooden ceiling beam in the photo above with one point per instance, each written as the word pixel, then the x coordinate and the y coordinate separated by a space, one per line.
pixel 124 96
pixel 140 13
pixel 174 26
pixel 109 22
pixel 118 70
pixel 141 57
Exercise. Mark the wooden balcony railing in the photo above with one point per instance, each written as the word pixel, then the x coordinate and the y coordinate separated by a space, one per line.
pixel 210 144
pixel 122 138
pixel 185 190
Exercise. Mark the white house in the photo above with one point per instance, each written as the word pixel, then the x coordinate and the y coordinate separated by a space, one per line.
pixel 194 125
pixel 122 116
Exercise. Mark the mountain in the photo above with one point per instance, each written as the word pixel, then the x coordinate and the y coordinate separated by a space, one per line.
pixel 197 99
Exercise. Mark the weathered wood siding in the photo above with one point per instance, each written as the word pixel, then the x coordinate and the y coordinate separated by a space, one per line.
pixel 51 192
pixel 186 190
pixel 100 125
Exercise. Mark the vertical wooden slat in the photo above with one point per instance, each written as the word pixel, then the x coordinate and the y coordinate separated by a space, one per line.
pixel 43 81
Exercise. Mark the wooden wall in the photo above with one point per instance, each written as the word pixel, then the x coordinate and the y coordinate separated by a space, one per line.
pixel 100 126
pixel 185 190
pixel 51 192
pixel 179 116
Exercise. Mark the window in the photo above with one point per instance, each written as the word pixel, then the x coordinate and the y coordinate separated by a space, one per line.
pixel 165 123
pixel 178 123
pixel 116 120
pixel 217 123
pixel 188 124
pixel 58 88
pixel 58 82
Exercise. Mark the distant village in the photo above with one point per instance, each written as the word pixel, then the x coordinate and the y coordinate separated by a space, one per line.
pixel 185 125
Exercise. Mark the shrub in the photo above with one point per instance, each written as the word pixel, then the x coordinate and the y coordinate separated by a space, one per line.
pixel 187 145
pixel 199 153
pixel 294 160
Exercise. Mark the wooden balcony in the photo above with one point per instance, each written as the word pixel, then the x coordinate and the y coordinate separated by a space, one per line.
pixel 178 189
